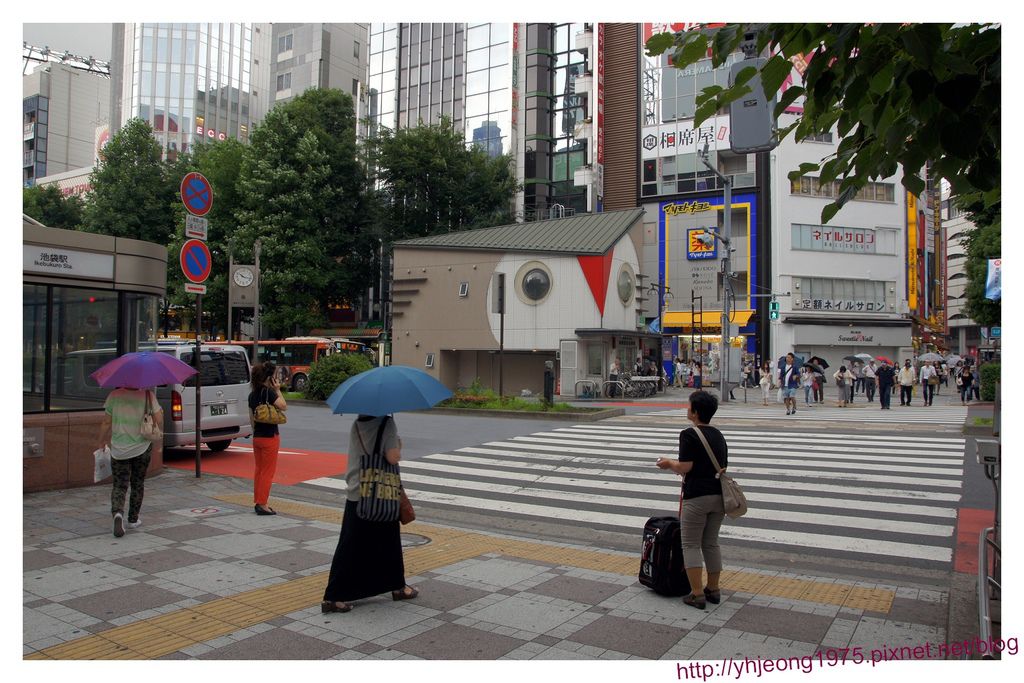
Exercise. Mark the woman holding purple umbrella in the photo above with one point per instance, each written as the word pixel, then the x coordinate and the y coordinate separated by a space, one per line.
pixel 127 406
pixel 130 451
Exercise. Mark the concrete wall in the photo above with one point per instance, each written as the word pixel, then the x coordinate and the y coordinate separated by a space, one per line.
pixel 79 103
pixel 322 55
pixel 58 450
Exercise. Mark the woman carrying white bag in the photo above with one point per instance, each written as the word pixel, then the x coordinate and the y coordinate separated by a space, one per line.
pixel 130 427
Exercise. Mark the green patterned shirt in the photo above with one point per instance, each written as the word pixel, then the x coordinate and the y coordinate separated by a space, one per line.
pixel 126 408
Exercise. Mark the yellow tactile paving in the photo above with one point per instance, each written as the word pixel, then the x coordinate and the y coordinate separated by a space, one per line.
pixel 164 634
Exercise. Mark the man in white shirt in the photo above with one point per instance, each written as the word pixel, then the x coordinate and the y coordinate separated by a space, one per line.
pixel 869 381
pixel 907 378
pixel 927 388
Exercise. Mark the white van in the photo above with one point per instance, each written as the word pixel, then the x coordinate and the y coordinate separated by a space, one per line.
pixel 224 398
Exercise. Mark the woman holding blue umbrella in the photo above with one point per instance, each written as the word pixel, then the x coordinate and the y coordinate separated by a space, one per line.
pixel 368 560
pixel 127 407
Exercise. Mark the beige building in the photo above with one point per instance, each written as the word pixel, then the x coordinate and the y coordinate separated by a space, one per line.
pixel 571 297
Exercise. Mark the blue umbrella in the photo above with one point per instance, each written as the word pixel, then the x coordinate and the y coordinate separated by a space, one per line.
pixel 386 390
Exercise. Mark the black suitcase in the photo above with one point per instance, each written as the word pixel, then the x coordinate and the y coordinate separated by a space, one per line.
pixel 661 558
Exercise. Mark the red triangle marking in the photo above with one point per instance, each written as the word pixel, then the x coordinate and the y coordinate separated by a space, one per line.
pixel 597 270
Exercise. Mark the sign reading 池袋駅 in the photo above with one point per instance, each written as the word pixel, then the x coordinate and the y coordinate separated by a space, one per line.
pixel 49 260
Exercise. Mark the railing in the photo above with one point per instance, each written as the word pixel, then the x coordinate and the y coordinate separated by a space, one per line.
pixel 988 586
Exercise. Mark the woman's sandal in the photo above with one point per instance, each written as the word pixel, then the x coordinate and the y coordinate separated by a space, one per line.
pixel 407 593
pixel 693 601
pixel 329 606
pixel 714 597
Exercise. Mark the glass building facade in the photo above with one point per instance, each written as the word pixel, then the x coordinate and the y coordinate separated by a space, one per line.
pixel 189 81
pixel 422 72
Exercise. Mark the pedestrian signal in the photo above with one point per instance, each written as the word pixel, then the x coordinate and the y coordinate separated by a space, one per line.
pixel 773 310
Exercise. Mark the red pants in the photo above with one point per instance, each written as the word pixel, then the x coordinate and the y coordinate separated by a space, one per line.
pixel 264 449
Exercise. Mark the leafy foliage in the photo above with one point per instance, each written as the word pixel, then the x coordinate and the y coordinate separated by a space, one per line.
pixel 48 206
pixel 990 373
pixel 302 195
pixel 327 373
pixel 431 183
pixel 133 193
pixel 898 94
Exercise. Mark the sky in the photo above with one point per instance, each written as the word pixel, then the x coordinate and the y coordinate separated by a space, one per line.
pixel 84 40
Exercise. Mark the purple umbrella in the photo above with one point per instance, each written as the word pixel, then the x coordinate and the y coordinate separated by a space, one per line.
pixel 141 370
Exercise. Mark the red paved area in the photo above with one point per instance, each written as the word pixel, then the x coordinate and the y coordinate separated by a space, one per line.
pixel 293 465
pixel 970 522
pixel 634 404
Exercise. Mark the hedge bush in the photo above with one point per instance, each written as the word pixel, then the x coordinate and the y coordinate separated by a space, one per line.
pixel 327 373
pixel 989 377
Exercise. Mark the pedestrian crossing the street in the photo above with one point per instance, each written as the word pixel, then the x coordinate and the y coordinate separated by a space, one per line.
pixel 868 497
pixel 865 412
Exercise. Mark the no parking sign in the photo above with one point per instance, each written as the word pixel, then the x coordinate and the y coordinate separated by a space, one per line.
pixel 196 194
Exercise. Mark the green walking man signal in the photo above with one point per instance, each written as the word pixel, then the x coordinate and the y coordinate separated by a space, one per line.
pixel 773 310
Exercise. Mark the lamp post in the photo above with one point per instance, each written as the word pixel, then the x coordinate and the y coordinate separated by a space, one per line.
pixel 725 237
pixel 664 292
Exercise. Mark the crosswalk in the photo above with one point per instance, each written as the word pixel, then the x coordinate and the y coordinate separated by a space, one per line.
pixel 864 412
pixel 856 495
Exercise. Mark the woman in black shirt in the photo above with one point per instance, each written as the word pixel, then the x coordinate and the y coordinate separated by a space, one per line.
pixel 266 441
pixel 703 509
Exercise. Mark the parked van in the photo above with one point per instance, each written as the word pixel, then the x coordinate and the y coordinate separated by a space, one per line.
pixel 224 400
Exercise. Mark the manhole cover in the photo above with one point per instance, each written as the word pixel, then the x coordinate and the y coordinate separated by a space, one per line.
pixel 412 540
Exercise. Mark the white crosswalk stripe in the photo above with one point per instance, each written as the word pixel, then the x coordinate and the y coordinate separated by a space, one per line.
pixel 873 496
pixel 868 413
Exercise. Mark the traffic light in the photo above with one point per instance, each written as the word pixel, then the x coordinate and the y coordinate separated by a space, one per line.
pixel 773 310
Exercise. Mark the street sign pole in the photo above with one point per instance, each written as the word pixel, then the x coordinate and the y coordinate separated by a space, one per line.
pixel 199 382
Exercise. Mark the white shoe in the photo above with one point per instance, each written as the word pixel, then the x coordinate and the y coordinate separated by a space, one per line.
pixel 118 525
pixel 132 525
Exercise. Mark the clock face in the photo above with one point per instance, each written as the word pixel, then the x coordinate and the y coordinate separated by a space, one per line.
pixel 243 277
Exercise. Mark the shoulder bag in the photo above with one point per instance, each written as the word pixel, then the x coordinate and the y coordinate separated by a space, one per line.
pixel 380 485
pixel 732 497
pixel 150 429
pixel 268 413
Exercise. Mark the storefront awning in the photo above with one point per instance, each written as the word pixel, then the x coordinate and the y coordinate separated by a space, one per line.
pixel 706 320
pixel 601 332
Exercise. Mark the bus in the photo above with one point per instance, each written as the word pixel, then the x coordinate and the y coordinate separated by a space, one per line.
pixel 293 356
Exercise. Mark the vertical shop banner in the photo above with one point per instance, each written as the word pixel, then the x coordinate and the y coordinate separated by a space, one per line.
pixel 599 163
pixel 912 252
pixel 994 280
pixel 922 264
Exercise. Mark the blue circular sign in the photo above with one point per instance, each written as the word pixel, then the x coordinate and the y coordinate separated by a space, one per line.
pixel 196 261
pixel 196 194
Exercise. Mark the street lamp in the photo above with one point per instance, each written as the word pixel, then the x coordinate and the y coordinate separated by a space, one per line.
pixel 725 237
pixel 663 292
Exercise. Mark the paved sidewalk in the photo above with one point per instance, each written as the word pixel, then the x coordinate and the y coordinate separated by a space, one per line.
pixel 205 578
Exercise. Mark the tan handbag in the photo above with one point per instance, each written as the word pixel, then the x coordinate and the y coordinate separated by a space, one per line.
pixel 734 501
pixel 268 413
pixel 150 429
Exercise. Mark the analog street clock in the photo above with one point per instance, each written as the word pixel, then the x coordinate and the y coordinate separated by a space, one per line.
pixel 243 277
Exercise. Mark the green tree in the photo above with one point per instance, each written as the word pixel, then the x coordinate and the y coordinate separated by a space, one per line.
pixel 220 162
pixel 48 206
pixel 982 243
pixel 430 182
pixel 329 372
pixel 899 94
pixel 133 195
pixel 301 191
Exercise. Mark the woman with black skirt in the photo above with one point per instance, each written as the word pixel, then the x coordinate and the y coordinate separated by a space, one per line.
pixel 368 560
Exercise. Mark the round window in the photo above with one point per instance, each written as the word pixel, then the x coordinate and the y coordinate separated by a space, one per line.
pixel 626 285
pixel 536 284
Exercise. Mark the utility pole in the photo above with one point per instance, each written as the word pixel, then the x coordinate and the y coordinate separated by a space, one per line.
pixel 725 237
pixel 256 304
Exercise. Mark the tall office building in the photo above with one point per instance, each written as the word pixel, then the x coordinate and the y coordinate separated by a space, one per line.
pixel 421 72
pixel 62 108
pixel 190 81
pixel 318 56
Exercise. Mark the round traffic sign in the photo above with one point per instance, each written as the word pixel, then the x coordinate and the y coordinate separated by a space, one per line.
pixel 196 261
pixel 196 194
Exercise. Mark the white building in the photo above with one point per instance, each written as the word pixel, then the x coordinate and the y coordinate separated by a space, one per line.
pixel 318 56
pixel 62 107
pixel 847 279
pixel 965 333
